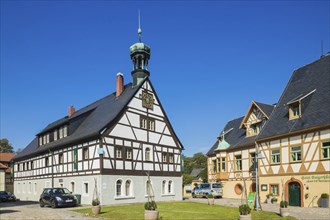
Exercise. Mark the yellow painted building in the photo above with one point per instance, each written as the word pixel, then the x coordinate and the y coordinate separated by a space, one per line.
pixel 292 139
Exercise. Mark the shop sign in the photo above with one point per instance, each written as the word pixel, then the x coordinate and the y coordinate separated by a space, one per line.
pixel 316 178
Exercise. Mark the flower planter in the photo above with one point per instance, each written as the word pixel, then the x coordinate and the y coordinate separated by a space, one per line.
pixel 96 209
pixel 284 212
pixel 245 217
pixel 150 214
pixel 324 203
pixel 210 201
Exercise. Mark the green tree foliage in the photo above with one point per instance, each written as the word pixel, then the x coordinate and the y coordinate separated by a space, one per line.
pixel 198 160
pixel 5 146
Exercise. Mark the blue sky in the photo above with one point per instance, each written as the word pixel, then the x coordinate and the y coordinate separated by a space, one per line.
pixel 209 59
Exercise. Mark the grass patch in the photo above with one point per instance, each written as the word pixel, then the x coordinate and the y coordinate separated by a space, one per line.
pixel 178 210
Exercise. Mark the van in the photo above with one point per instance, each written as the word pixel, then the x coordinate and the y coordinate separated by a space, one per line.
pixel 203 189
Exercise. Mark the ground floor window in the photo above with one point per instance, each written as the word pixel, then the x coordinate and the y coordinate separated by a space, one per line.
pixel 170 185
pixel 274 189
pixel 118 187
pixel 128 188
pixel 238 189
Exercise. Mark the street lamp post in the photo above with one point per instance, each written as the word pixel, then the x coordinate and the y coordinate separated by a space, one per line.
pixel 258 156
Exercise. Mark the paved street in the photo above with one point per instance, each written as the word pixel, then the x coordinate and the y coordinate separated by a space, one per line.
pixel 298 212
pixel 22 210
pixel 26 210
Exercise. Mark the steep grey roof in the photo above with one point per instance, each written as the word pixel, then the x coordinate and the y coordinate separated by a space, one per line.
pixel 310 85
pixel 196 172
pixel 233 137
pixel 92 119
pixel 267 109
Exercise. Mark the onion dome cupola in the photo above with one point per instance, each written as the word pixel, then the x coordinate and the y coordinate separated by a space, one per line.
pixel 223 144
pixel 140 55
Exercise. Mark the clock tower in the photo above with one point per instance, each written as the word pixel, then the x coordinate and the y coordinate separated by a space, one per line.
pixel 140 55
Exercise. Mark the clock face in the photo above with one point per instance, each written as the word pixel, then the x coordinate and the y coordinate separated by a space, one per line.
pixel 147 100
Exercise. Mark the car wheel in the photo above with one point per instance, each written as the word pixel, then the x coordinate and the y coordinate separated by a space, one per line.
pixel 54 204
pixel 41 203
pixel 194 195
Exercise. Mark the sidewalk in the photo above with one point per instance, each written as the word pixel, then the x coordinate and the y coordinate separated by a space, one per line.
pixel 297 212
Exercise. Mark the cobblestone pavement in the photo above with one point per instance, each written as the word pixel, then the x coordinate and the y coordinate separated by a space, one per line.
pixel 297 212
pixel 26 210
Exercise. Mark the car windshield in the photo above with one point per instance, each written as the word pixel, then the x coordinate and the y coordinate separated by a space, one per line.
pixel 206 185
pixel 61 191
pixel 3 192
pixel 216 185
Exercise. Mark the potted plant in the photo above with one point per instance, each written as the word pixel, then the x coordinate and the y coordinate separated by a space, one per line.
pixel 210 199
pixel 274 200
pixel 150 207
pixel 269 198
pixel 244 212
pixel 96 204
pixel 96 208
pixel 284 210
pixel 324 202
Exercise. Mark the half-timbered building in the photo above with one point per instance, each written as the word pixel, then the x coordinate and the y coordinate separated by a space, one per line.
pixel 231 160
pixel 115 140
pixel 293 144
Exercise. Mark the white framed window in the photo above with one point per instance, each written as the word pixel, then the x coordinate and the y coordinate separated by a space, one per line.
pixel 119 187
pixel 275 156
pixel 170 187
pixel 325 150
pixel 129 154
pixel 295 154
pixel 252 161
pixel 238 162
pixel 164 156
pixel 171 158
pixel 85 153
pixel 60 158
pixel 73 186
pixel 147 154
pixel 86 187
pixel 128 186
pixel 164 187
pixel 118 152
pixel 223 164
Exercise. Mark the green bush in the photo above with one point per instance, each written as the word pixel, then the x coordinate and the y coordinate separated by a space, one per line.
pixel 95 202
pixel 244 209
pixel 150 205
pixel 284 204
pixel 210 196
pixel 325 196
pixel 269 195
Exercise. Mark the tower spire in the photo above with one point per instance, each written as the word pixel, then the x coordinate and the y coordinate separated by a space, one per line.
pixel 139 29
pixel 140 55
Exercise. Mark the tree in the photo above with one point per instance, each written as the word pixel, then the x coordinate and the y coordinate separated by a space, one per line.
pixel 198 160
pixel 5 146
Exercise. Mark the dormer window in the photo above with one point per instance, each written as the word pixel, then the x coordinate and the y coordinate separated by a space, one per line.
pixel 294 111
pixel 53 135
pixel 255 129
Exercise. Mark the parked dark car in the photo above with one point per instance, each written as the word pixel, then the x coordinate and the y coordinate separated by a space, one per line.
pixel 6 196
pixel 57 197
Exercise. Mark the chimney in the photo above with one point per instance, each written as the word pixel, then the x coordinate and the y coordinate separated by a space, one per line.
pixel 71 111
pixel 119 84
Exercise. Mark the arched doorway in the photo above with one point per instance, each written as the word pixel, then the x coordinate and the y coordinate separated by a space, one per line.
pixel 294 194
